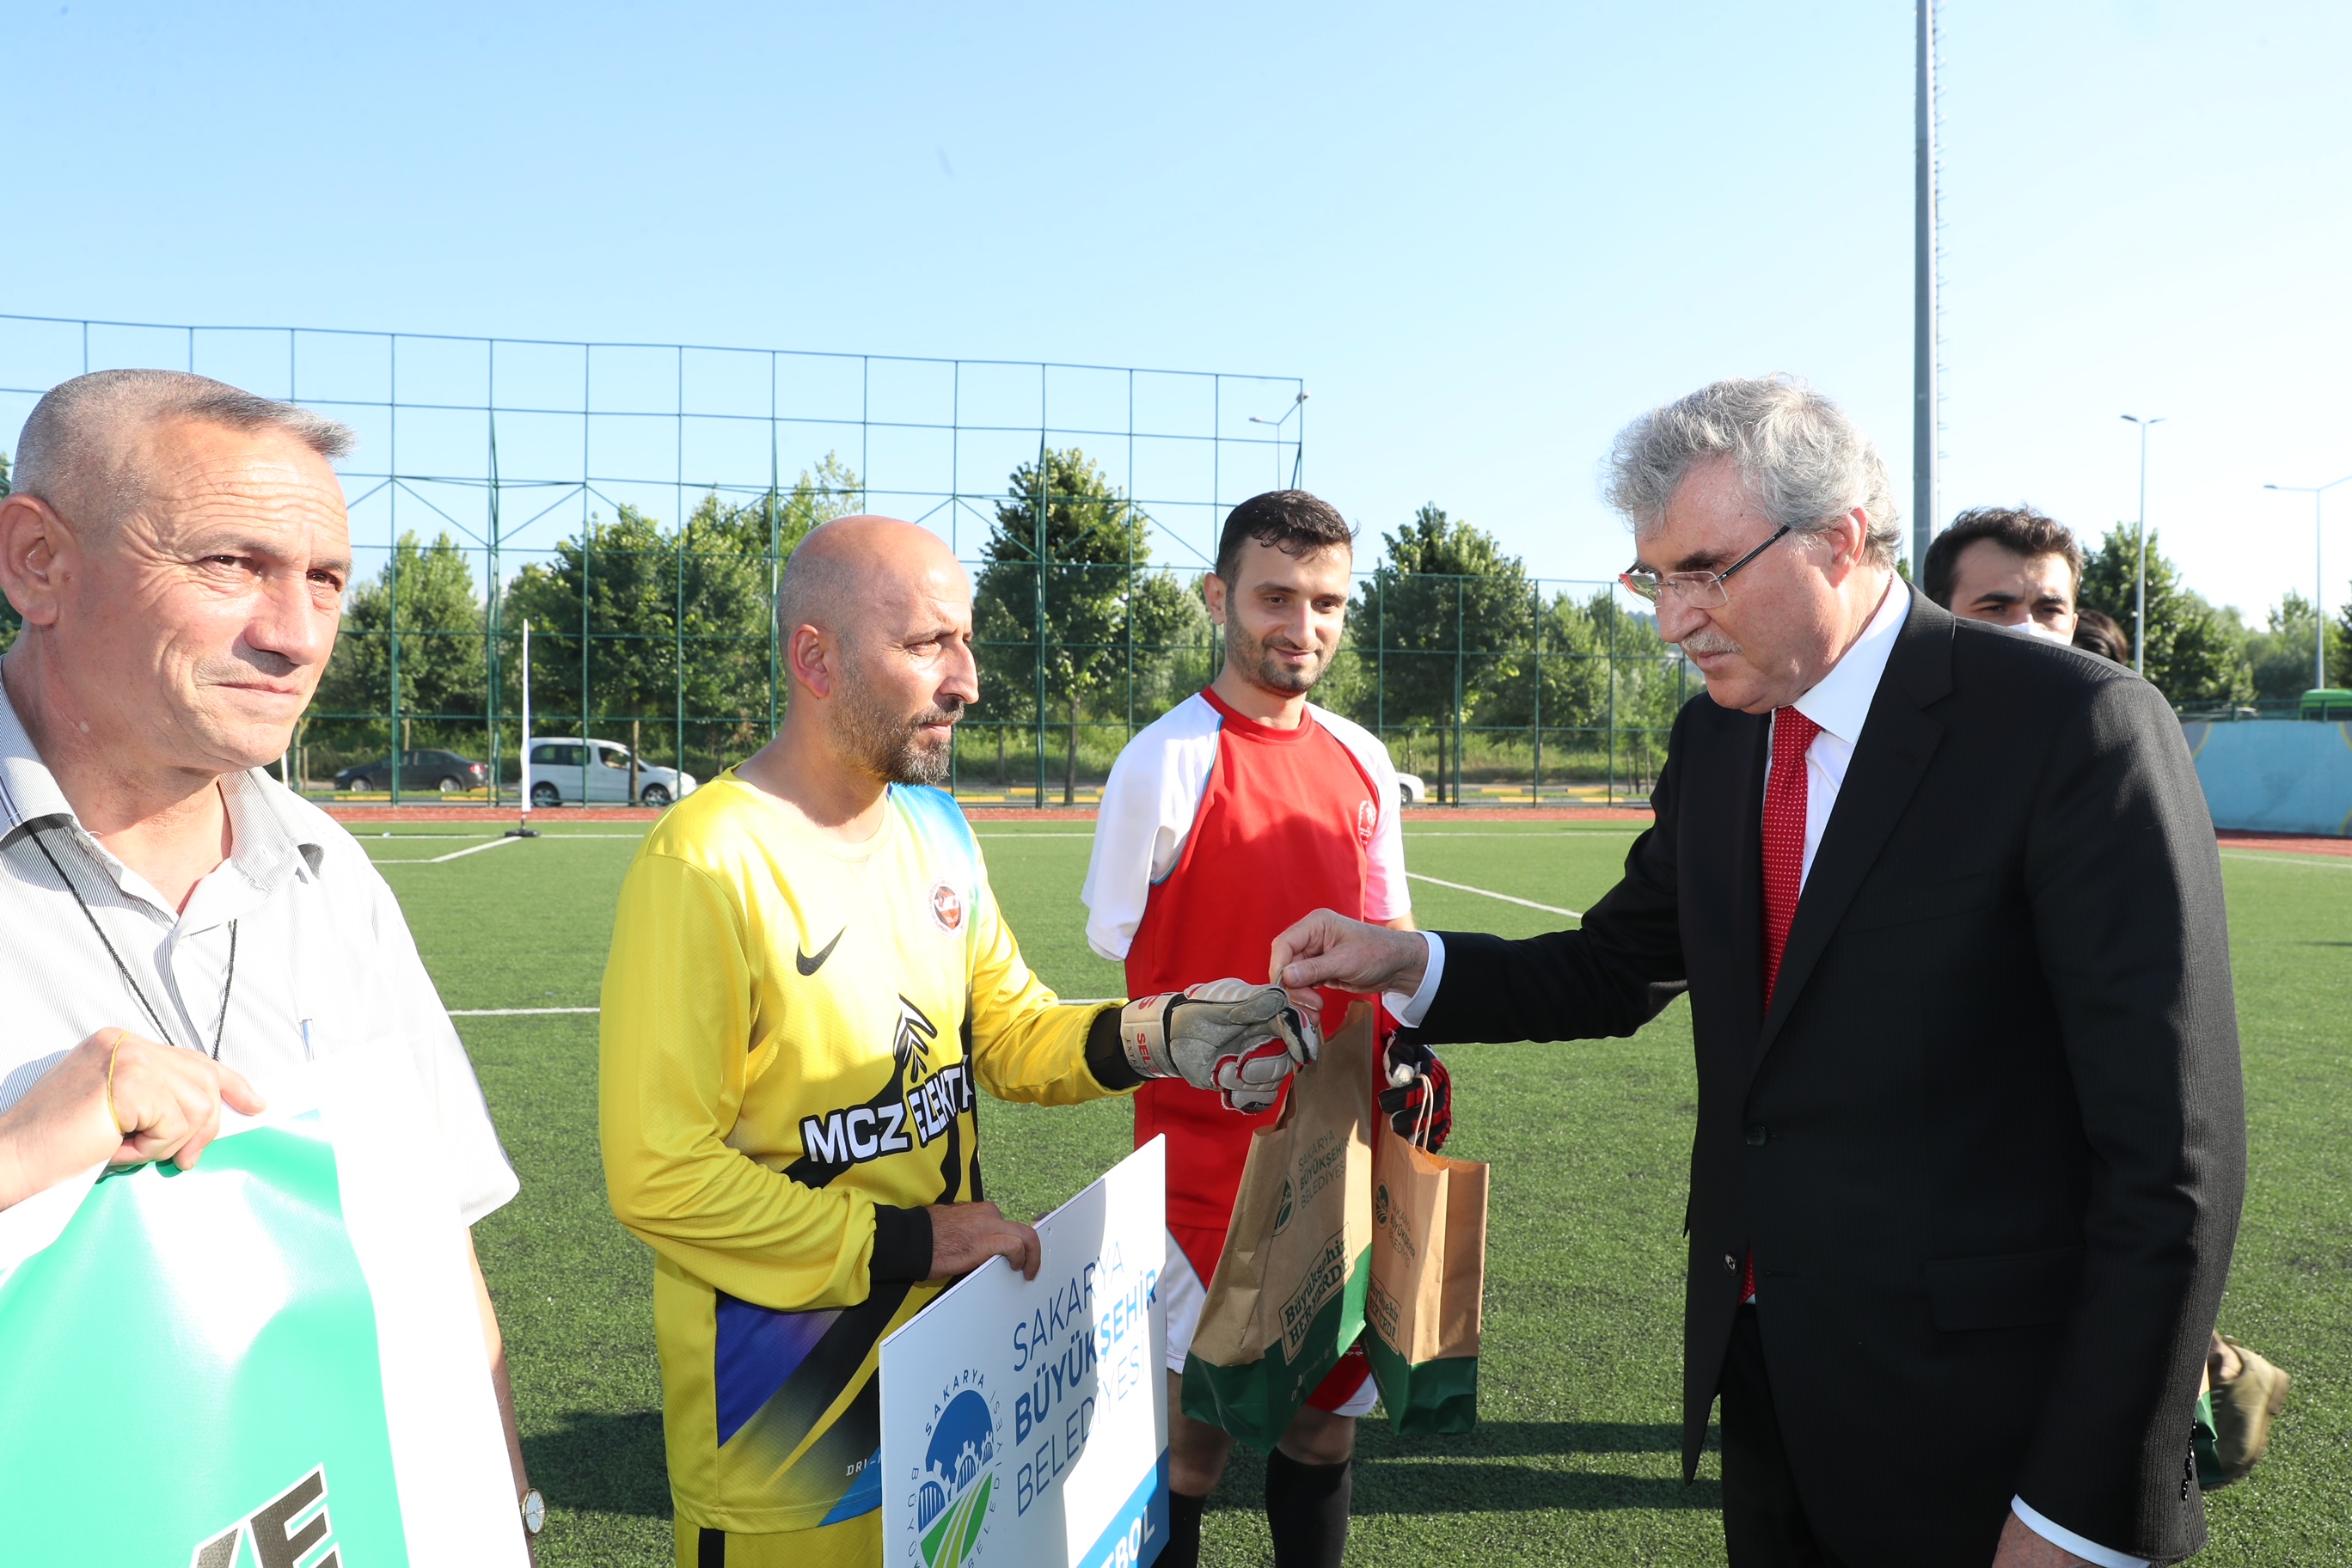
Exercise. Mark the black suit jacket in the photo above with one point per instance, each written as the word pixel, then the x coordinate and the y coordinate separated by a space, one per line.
pixel 1988 1142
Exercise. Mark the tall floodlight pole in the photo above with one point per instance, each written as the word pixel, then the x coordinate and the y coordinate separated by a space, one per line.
pixel 2140 572
pixel 1275 425
pixel 1923 297
pixel 2318 575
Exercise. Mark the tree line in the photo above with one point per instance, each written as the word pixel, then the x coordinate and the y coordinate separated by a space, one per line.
pixel 1455 653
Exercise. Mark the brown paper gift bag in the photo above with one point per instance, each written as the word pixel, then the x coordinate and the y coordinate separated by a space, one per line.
pixel 1424 1306
pixel 1287 1299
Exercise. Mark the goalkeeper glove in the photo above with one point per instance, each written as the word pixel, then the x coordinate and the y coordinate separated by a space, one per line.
pixel 1420 1099
pixel 1239 1039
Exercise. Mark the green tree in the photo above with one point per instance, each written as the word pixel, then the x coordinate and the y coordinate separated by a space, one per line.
pixel 424 598
pixel 2339 644
pixel 644 624
pixel 1556 673
pixel 2279 657
pixel 604 619
pixel 1065 623
pixel 1649 681
pixel 1441 622
pixel 2194 654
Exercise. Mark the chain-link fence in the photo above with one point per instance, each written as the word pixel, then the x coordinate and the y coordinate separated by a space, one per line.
pixel 633 505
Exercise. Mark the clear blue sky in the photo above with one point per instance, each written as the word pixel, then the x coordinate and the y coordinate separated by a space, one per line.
pixel 1484 235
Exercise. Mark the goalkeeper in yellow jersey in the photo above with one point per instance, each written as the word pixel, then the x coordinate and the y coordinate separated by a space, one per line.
pixel 810 982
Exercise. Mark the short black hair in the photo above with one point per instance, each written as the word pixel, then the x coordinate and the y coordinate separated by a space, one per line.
pixel 2096 632
pixel 1291 521
pixel 2019 529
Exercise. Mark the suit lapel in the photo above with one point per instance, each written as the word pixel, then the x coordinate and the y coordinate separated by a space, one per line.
pixel 1898 739
pixel 1744 812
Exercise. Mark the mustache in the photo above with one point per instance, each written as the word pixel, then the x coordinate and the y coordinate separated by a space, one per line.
pixel 1708 642
pixel 948 711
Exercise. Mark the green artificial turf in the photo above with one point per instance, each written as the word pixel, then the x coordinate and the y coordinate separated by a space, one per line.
pixel 1575 1459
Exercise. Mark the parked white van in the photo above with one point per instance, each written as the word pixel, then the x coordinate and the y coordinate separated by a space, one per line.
pixel 568 771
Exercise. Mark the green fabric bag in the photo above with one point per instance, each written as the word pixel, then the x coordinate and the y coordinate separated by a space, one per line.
pixel 191 1373
pixel 1287 1299
pixel 1424 1306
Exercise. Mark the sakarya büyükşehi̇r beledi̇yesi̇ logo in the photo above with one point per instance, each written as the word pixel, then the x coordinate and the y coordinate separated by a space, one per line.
pixel 959 1475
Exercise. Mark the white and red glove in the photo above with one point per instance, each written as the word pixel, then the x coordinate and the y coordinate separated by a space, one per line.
pixel 1239 1039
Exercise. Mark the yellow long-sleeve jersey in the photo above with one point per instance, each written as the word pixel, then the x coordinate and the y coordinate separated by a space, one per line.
pixel 792 1032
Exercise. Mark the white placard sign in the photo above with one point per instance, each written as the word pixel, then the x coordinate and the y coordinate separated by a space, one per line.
pixel 1024 1423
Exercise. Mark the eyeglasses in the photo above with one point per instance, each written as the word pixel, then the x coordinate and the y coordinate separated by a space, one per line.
pixel 1699 590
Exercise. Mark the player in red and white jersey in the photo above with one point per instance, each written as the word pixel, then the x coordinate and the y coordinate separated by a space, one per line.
pixel 1238 810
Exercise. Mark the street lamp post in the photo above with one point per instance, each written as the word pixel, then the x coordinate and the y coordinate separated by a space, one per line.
pixel 2318 575
pixel 1277 424
pixel 2139 575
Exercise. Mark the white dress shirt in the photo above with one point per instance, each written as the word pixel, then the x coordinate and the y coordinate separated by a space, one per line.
pixel 1839 703
pixel 323 959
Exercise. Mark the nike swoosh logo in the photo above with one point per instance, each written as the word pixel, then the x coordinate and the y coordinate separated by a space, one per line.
pixel 808 966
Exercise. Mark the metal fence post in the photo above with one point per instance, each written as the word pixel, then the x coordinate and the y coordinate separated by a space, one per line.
pixel 1037 533
pixel 1609 796
pixel 1535 606
pixel 1458 635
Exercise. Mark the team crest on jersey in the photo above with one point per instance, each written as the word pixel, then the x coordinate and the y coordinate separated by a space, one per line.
pixel 947 906
pixel 1368 817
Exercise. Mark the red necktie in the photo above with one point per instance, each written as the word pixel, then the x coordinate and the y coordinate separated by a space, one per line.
pixel 1784 834
pixel 1784 863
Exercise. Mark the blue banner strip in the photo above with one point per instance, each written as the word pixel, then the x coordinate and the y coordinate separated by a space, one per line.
pixel 1138 1533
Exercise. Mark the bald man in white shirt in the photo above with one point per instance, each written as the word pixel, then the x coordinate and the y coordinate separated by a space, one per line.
pixel 177 931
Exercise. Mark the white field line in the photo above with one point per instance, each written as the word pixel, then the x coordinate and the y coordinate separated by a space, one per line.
pixel 1603 831
pixel 452 855
pixel 2286 857
pixel 1490 893
pixel 464 838
pixel 1410 833
pixel 515 1012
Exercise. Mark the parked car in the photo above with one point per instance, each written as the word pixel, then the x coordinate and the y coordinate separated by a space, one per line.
pixel 419 770
pixel 1410 789
pixel 569 771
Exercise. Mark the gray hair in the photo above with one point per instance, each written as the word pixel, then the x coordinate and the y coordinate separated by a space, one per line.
pixel 76 443
pixel 1803 460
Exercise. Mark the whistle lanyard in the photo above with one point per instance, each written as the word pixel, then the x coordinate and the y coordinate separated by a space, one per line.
pixel 229 981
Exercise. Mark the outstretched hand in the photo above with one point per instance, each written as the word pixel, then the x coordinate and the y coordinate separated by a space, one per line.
pixel 1328 949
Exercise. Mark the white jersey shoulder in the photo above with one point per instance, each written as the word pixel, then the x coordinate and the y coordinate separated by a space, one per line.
pixel 1153 795
pixel 1148 804
pixel 1386 897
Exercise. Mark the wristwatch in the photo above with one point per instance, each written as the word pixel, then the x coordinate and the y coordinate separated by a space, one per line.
pixel 534 1512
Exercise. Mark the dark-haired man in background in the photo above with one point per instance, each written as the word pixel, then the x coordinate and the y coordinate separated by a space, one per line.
pixel 1237 811
pixel 2007 566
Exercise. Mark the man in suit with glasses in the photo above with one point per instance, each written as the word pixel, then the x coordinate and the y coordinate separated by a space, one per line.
pixel 1971 1142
